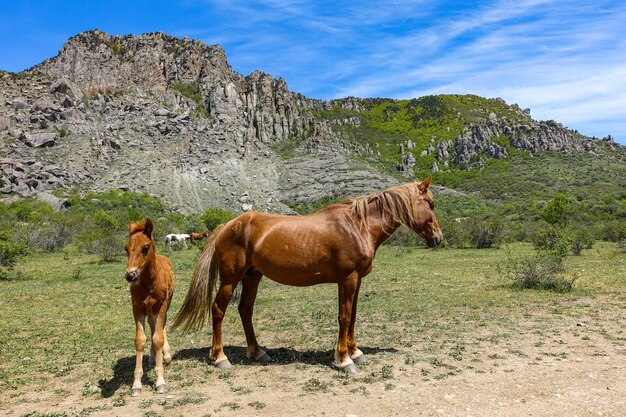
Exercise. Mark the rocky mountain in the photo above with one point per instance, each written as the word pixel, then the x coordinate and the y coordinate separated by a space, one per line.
pixel 170 117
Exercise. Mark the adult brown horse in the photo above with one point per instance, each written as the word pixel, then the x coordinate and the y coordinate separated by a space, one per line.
pixel 335 245
pixel 151 281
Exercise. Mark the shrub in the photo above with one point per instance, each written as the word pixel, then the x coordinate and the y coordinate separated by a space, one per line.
pixel 613 231
pixel 10 251
pixel 580 238
pixel 214 217
pixel 485 233
pixel 557 211
pixel 455 234
pixel 543 271
pixel 105 237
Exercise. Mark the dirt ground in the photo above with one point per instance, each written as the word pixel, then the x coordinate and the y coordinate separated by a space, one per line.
pixel 579 370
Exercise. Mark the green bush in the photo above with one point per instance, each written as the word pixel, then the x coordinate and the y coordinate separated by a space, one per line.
pixel 541 272
pixel 455 234
pixel 544 271
pixel 10 251
pixel 484 233
pixel 214 217
pixel 105 237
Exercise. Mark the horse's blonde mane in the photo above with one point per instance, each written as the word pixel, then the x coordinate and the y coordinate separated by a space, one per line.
pixel 399 202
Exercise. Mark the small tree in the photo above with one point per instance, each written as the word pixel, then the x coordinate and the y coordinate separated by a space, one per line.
pixel 105 237
pixel 557 211
pixel 214 217
pixel 10 254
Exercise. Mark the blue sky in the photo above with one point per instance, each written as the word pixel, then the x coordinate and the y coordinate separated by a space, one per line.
pixel 565 60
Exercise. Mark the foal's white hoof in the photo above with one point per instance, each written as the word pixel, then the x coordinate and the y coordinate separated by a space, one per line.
pixel 160 389
pixel 135 392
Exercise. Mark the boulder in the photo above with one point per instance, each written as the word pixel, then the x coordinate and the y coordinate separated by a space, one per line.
pixel 4 123
pixel 19 104
pixel 67 87
pixel 40 140
pixel 58 204
pixel 44 104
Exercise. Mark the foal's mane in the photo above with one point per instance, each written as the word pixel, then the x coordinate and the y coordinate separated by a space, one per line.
pixel 136 227
pixel 400 202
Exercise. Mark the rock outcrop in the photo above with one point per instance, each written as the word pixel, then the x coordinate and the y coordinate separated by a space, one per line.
pixel 170 117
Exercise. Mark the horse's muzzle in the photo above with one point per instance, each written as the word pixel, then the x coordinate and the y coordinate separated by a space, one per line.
pixel 435 241
pixel 132 275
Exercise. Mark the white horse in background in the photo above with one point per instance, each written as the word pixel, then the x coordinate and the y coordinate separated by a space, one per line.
pixel 177 237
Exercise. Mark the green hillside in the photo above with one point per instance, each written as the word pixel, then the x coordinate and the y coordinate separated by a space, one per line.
pixel 514 190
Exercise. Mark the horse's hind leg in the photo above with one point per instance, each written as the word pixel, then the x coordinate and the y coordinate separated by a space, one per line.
pixel 347 291
pixel 218 308
pixel 355 353
pixel 250 284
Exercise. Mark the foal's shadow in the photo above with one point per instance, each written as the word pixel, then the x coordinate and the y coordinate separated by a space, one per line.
pixel 123 374
pixel 280 356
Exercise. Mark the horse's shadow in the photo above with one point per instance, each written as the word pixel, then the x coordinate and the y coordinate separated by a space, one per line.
pixel 280 356
pixel 124 368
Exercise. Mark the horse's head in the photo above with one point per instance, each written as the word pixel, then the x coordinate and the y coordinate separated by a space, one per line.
pixel 140 249
pixel 424 221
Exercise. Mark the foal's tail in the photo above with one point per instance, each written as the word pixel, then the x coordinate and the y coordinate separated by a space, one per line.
pixel 196 309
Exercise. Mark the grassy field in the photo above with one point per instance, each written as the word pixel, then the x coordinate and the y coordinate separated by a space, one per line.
pixel 66 328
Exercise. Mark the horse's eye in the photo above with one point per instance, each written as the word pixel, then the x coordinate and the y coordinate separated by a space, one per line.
pixel 145 249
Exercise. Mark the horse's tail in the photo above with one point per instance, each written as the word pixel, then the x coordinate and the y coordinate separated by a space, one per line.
pixel 196 309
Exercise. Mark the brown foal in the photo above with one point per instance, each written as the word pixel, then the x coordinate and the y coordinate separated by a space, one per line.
pixel 151 281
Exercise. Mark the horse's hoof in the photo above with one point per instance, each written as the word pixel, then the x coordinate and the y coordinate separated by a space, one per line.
pixel 167 360
pixel 135 392
pixel 360 360
pixel 160 389
pixel 350 369
pixel 223 364
pixel 265 359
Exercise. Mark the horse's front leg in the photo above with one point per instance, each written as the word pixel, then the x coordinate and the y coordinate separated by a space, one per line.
pixel 355 353
pixel 157 322
pixel 140 344
pixel 347 290
pixel 250 284
pixel 218 308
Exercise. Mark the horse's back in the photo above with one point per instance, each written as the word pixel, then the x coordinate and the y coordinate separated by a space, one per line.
pixel 296 250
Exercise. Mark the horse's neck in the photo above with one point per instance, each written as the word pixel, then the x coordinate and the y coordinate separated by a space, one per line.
pixel 381 224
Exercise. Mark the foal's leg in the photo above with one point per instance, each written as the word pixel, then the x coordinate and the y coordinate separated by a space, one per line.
pixel 218 308
pixel 140 344
pixel 355 353
pixel 167 355
pixel 250 284
pixel 347 290
pixel 158 340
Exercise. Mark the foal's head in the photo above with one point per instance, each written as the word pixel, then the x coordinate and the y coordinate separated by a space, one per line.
pixel 140 248
pixel 424 221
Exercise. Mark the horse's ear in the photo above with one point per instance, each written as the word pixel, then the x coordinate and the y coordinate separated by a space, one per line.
pixel 423 186
pixel 147 229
